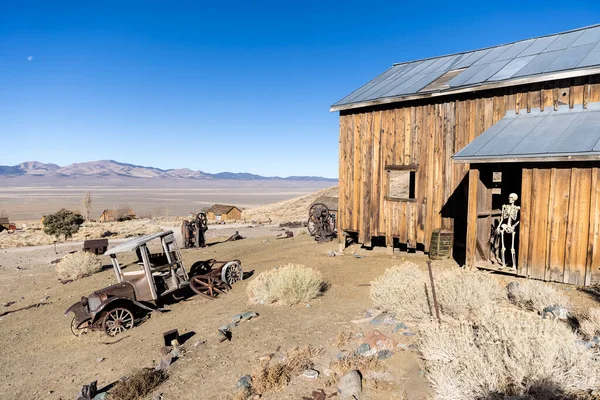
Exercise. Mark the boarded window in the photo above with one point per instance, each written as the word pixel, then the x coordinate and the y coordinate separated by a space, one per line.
pixel 401 183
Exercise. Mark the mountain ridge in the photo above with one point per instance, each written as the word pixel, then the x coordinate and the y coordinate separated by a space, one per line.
pixel 110 168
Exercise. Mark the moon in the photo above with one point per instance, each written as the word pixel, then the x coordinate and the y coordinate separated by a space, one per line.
pixel 29 58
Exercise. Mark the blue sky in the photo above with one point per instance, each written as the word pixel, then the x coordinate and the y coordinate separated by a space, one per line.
pixel 222 86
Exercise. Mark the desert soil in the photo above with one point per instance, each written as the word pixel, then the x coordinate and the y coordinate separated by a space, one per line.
pixel 42 359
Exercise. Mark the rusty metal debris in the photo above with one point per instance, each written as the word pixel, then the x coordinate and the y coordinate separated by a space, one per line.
pixel 97 246
pixel 159 278
pixel 285 235
pixel 193 231
pixel 321 223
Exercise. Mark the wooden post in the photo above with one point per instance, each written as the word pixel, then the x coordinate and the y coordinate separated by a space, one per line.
pixel 433 295
pixel 472 218
pixel 342 241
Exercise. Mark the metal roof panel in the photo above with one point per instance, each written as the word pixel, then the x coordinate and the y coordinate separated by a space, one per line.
pixel 563 41
pixel 493 54
pixel 589 36
pixel 570 58
pixel 581 135
pixel 466 75
pixel 487 72
pixel 539 63
pixel 515 50
pixel 512 68
pixel 538 46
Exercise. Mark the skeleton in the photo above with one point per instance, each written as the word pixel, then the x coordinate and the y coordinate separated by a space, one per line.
pixel 508 224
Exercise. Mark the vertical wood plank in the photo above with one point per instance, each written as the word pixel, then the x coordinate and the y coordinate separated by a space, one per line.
pixel 525 225
pixel 356 171
pixel 558 208
pixel 539 223
pixel 376 151
pixel 578 226
pixel 472 218
pixel 594 230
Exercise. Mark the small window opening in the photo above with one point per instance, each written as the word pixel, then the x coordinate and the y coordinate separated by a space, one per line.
pixel 401 183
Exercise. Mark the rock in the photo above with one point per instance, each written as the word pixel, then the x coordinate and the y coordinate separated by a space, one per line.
pixel 412 346
pixel 310 374
pixel 328 372
pixel 164 363
pixel 199 342
pixel 363 348
pixel 100 359
pixel 401 325
pixel 350 385
pixel 402 346
pixel 331 253
pixel 359 335
pixel 249 315
pixel 158 397
pixel 88 392
pixel 236 318
pixel 245 382
pixel 308 305
pixel 384 319
pixel 356 255
pixel 555 312
pixel 408 334
pixel 384 354
pixel 176 353
pixel 379 341
pixel 266 358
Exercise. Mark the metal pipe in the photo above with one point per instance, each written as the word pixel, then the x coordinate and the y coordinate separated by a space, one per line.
pixel 435 302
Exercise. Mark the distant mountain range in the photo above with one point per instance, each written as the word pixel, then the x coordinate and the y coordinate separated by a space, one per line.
pixel 109 169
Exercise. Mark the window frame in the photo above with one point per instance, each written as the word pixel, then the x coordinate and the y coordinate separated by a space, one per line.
pixel 412 169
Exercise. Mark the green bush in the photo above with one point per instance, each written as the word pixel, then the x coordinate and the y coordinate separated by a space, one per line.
pixel 62 223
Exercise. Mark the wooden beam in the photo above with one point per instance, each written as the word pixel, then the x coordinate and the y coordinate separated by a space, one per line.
pixel 487 160
pixel 412 167
pixel 472 218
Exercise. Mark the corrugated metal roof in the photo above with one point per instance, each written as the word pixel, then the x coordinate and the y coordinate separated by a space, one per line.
pixel 561 133
pixel 565 51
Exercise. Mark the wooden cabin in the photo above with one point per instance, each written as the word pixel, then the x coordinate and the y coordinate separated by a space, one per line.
pixel 222 212
pixel 442 142
pixel 124 214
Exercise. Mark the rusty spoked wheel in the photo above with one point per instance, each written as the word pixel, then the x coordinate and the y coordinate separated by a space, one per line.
pixel 317 212
pixel 117 320
pixel 232 272
pixel 208 286
pixel 79 330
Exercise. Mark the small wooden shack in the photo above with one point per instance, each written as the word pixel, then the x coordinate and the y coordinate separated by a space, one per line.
pixel 117 215
pixel 442 142
pixel 222 212
pixel 4 224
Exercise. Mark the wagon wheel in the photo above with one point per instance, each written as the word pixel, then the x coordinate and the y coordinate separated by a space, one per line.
pixel 208 286
pixel 232 272
pixel 79 331
pixel 117 320
pixel 317 212
pixel 203 222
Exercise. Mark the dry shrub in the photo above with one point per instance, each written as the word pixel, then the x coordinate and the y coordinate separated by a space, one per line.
pixel 590 324
pixel 77 265
pixel 535 296
pixel 269 376
pixel 342 340
pixel 357 362
pixel 287 285
pixel 505 353
pixel 401 290
pixel 137 385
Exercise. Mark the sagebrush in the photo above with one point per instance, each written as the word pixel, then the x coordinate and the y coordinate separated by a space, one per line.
pixel 289 285
pixel 138 385
pixel 535 296
pixel 77 265
pixel 590 324
pixel 405 290
pixel 506 352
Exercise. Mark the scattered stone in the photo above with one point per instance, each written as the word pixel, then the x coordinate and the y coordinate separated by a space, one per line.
pixel 555 312
pixel 402 346
pixel 350 385
pixel 164 363
pixel 359 335
pixel 331 253
pixel 310 374
pixel 101 396
pixel 236 318
pixel 100 359
pixel 401 325
pixel 409 334
pixel 88 392
pixel 266 358
pixel 8 304
pixel 245 382
pixel 412 346
pixel 308 305
pixel 356 255
pixel 379 341
pixel 158 397
pixel 249 315
pixel 363 348
pixel 328 372
pixel 176 353
pixel 384 354
pixel 384 319
pixel 199 342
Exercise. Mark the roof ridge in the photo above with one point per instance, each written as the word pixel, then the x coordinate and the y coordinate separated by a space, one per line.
pixel 493 47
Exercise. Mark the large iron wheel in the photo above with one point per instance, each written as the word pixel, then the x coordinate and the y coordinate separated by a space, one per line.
pixel 117 320
pixel 208 286
pixel 232 272
pixel 77 330
pixel 203 221
pixel 318 212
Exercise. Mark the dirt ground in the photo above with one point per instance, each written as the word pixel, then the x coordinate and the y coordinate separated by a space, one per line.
pixel 42 359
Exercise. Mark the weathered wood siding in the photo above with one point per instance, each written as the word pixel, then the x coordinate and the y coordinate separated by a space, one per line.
pixel 234 215
pixel 427 133
pixel 560 223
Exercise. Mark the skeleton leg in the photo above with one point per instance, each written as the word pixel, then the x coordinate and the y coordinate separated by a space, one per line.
pixel 503 250
pixel 512 250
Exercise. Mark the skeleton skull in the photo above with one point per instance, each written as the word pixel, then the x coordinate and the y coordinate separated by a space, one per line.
pixel 512 198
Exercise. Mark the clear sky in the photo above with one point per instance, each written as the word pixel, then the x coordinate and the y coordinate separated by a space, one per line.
pixel 222 86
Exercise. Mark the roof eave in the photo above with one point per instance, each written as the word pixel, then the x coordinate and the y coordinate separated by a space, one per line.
pixel 473 88
pixel 595 156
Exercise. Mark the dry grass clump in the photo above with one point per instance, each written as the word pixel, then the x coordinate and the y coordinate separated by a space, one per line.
pixel 506 353
pixel 590 324
pixel 289 285
pixel 77 265
pixel 357 362
pixel 402 290
pixel 342 340
pixel 269 376
pixel 535 296
pixel 137 385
